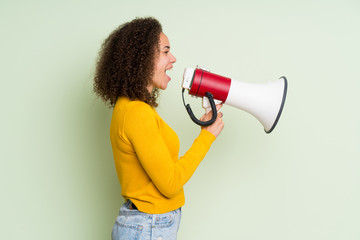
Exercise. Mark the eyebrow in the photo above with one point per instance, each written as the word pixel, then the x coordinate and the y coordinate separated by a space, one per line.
pixel 168 47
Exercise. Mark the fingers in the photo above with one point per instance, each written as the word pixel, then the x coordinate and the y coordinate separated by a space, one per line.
pixel 209 115
pixel 217 126
pixel 218 106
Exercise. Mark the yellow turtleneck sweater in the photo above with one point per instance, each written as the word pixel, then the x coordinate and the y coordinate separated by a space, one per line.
pixel 146 154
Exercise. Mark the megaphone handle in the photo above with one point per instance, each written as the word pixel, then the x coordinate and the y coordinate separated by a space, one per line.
pixel 206 104
pixel 213 108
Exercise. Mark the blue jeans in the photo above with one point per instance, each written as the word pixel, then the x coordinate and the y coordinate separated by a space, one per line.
pixel 136 225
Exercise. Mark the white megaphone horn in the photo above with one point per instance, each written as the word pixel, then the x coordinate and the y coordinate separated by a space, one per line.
pixel 264 101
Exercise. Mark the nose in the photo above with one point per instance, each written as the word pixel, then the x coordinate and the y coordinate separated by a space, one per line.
pixel 172 59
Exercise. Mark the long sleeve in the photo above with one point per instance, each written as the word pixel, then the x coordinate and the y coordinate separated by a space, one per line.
pixel 168 174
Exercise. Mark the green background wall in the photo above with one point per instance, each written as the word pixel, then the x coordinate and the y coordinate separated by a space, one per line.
pixel 300 182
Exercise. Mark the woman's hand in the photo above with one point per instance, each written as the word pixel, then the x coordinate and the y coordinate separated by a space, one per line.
pixel 218 125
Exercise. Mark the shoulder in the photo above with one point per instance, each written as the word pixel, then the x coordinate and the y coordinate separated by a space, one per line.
pixel 134 110
pixel 139 109
pixel 139 118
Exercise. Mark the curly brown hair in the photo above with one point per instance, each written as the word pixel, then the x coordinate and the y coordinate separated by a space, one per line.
pixel 126 61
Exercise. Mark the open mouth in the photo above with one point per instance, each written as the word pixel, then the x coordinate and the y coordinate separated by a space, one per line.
pixel 169 69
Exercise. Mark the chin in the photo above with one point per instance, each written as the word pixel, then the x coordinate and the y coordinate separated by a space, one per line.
pixel 164 86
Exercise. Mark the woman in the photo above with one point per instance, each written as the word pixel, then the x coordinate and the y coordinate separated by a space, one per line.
pixel 131 69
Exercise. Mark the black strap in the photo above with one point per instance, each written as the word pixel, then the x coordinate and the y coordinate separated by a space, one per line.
pixel 192 116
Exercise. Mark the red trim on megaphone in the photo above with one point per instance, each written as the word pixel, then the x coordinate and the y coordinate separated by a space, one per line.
pixel 205 81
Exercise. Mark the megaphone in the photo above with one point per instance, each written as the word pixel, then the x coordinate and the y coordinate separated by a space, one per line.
pixel 264 101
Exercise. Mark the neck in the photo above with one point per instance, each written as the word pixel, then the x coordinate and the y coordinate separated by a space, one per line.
pixel 150 88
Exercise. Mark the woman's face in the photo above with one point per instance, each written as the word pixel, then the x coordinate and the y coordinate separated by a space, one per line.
pixel 163 63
